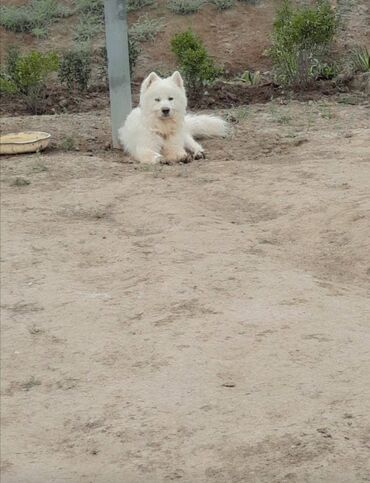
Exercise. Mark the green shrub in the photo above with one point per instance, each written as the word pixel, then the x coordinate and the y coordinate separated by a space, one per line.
pixel 133 5
pixel 195 64
pixel 146 28
pixel 223 4
pixel 134 51
pixel 301 40
pixel 360 59
pixel 75 68
pixel 35 17
pixel 185 7
pixel 27 76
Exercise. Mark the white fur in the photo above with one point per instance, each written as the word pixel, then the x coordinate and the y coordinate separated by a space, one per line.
pixel 160 130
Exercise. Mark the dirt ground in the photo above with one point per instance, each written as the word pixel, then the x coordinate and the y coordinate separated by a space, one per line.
pixel 201 323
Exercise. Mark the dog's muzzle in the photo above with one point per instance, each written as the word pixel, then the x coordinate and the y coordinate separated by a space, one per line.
pixel 165 111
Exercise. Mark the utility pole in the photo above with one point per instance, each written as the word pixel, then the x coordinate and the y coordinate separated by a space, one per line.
pixel 118 64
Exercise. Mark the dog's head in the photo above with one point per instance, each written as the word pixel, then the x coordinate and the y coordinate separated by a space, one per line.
pixel 163 98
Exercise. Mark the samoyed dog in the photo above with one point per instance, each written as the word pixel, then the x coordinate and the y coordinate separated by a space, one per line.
pixel 159 130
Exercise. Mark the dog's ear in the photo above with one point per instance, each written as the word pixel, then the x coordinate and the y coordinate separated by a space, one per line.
pixel 152 77
pixel 177 79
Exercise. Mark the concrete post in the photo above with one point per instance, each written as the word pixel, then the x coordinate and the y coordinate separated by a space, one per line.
pixel 118 64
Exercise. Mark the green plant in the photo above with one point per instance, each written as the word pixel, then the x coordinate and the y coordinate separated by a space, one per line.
pixel 185 7
pixel 35 17
pixel 91 7
pixel 134 51
pixel 75 68
pixel 194 61
pixel 250 78
pixel 133 5
pixel 68 144
pixel 87 28
pixel 301 41
pixel 27 75
pixel 223 4
pixel 360 59
pixel 146 28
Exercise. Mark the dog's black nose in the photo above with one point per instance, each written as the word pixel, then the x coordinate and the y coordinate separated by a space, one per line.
pixel 165 111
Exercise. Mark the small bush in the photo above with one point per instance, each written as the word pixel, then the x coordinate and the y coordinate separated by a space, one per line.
pixel 134 51
pixel 360 59
pixel 223 4
pixel 34 17
pixel 133 5
pixel 146 28
pixel 185 7
pixel 301 41
pixel 27 75
pixel 87 29
pixel 194 61
pixel 75 69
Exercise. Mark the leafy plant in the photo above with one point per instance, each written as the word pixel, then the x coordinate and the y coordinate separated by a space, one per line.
pixel 301 41
pixel 223 4
pixel 250 78
pixel 27 75
pixel 360 59
pixel 134 51
pixel 185 7
pixel 75 68
pixel 35 17
pixel 133 5
pixel 146 28
pixel 194 61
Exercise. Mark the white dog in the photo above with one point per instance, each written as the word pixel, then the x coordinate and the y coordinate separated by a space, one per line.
pixel 159 130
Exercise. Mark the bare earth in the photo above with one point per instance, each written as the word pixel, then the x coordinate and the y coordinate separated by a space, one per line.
pixel 201 323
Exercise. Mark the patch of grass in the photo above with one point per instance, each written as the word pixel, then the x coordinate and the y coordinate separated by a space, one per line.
pixel 39 167
pixel 185 7
pixel 326 112
pixel 20 181
pixel 223 4
pixel 68 144
pixel 87 29
pixel 32 382
pixel 34 17
pixel 360 59
pixel 238 114
pixel 283 119
pixel 133 5
pixel 146 28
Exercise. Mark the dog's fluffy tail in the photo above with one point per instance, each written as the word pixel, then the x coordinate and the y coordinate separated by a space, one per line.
pixel 206 126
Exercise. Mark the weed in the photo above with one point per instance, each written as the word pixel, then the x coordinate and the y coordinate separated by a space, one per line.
pixel 360 59
pixel 194 61
pixel 19 181
pixel 146 28
pixel 39 167
pixel 133 5
pixel 301 41
pixel 91 7
pixel 68 144
pixel 35 17
pixel 34 330
pixel 185 7
pixel 75 68
pixel 250 78
pixel 32 382
pixel 223 4
pixel 87 28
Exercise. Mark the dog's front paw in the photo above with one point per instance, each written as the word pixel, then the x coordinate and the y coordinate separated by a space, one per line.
pixel 199 155
pixel 188 158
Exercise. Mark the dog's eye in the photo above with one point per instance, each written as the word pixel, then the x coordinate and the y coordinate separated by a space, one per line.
pixel 170 98
pixel 157 99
